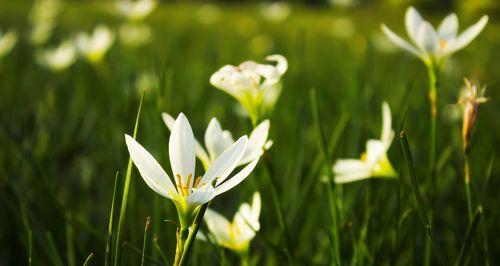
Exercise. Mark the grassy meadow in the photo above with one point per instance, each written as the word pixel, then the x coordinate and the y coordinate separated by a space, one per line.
pixel 62 136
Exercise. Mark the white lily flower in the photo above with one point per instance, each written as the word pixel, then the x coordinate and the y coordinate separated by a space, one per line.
pixel 374 162
pixel 188 192
pixel 256 86
pixel 218 140
pixel 58 58
pixel 433 45
pixel 238 234
pixel 135 10
pixel 95 46
pixel 7 42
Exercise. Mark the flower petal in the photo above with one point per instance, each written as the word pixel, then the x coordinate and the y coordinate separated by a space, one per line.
pixel 198 149
pixel 150 170
pixel 256 142
pixel 201 195
pixel 217 140
pixel 375 149
pixel 387 132
pixel 218 225
pixel 353 176
pixel 467 36
pixel 226 162
pixel 282 63
pixel 236 179
pixel 413 20
pixel 399 41
pixel 181 150
pixel 345 166
pixel 427 38
pixel 448 28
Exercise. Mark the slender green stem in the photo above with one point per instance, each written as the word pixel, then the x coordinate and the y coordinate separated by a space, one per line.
pixel 331 184
pixel 70 247
pixel 416 193
pixel 277 206
pixel 145 240
pixel 89 258
pixel 189 242
pixel 158 249
pixel 30 247
pixel 467 186
pixel 182 236
pixel 109 240
pixel 471 232
pixel 244 259
pixel 126 187
pixel 54 255
pixel 433 100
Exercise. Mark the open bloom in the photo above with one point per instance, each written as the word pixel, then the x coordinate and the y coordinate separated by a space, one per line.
pixel 58 58
pixel 189 192
pixel 235 235
pixel 95 46
pixel 218 140
pixel 135 10
pixel 430 45
pixel 256 86
pixel 471 99
pixel 374 162
pixel 7 41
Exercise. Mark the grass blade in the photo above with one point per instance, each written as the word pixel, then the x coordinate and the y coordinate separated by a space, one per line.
pixel 145 241
pixel 160 252
pixel 331 185
pixel 471 232
pixel 139 252
pixel 109 240
pixel 89 258
pixel 416 193
pixel 30 247
pixel 53 254
pixel 126 187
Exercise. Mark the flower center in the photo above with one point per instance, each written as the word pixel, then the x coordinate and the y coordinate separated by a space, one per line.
pixel 443 43
pixel 184 188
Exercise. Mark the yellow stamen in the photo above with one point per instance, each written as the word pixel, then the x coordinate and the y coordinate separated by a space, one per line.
pixel 197 181
pixel 190 176
pixel 179 184
pixel 443 43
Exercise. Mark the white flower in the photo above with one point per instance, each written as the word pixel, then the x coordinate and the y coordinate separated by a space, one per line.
pixel 7 42
pixel 235 235
pixel 189 191
pixel 374 162
pixel 135 10
pixel 58 58
pixel 256 86
pixel 218 140
pixel 95 46
pixel 431 45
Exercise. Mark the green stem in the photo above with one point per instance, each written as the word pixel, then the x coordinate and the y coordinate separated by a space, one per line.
pixel 469 238
pixel 331 184
pixel 191 236
pixel 145 240
pixel 433 99
pixel 126 187
pixel 244 259
pixel 182 236
pixel 277 206
pixel 109 240
pixel 467 186
pixel 416 193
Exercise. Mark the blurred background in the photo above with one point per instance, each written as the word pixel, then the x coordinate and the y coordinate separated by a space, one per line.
pixel 63 115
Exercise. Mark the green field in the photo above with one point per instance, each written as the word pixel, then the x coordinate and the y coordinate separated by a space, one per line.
pixel 62 136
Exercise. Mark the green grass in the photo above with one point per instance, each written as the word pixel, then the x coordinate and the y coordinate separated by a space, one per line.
pixel 61 138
